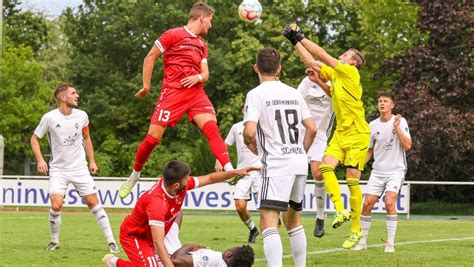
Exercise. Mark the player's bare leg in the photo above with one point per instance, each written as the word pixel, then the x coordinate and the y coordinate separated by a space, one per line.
pixel 152 139
pixel 366 220
pixel 320 195
pixel 355 200
pixel 292 222
pixel 207 122
pixel 272 246
pixel 102 220
pixel 392 220
pixel 55 220
pixel 244 214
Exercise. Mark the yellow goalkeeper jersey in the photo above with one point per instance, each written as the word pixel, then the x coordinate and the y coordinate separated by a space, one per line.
pixel 346 94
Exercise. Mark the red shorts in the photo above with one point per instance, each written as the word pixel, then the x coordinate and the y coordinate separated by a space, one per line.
pixel 173 103
pixel 140 251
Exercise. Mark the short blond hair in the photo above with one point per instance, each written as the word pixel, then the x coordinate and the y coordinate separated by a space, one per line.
pixel 200 9
pixel 358 57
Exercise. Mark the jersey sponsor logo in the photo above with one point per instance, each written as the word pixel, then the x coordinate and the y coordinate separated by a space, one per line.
pixel 268 103
pixel 285 102
pixel 70 141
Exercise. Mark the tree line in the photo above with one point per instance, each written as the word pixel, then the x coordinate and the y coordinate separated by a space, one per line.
pixel 420 51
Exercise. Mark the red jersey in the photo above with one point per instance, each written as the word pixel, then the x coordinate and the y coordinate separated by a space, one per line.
pixel 156 207
pixel 183 53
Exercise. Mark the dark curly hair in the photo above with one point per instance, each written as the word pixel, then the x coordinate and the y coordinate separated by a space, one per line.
pixel 243 258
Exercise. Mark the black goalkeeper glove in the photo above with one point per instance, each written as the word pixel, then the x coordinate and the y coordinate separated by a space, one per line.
pixel 293 33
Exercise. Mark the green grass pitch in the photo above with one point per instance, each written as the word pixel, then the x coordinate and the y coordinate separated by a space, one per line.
pixel 419 242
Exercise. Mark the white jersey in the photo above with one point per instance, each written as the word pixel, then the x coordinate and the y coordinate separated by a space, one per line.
pixel 389 155
pixel 65 139
pixel 207 258
pixel 279 111
pixel 246 158
pixel 320 106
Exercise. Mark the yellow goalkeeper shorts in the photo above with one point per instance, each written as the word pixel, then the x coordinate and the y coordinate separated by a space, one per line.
pixel 350 147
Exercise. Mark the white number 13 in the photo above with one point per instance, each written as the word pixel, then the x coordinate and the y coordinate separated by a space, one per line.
pixel 164 115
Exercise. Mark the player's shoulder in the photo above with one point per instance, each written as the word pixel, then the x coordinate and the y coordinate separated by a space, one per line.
pixel 52 113
pixel 374 122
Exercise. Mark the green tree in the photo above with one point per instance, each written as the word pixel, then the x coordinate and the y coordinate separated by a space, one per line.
pixel 110 39
pixel 435 92
pixel 24 97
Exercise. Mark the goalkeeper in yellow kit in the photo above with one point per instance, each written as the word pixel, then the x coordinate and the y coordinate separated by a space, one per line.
pixel 350 141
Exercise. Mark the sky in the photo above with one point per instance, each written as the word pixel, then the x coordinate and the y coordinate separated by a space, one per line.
pixel 49 7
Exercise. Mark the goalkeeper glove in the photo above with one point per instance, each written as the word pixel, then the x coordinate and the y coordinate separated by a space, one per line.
pixel 293 33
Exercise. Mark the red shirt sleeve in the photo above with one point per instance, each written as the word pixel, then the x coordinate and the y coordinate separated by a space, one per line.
pixel 193 183
pixel 156 211
pixel 166 40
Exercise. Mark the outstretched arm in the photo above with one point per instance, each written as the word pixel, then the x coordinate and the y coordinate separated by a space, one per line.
pixel 216 177
pixel 148 65
pixel 319 52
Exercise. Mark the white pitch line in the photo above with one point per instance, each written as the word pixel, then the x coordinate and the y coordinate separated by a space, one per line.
pixel 326 251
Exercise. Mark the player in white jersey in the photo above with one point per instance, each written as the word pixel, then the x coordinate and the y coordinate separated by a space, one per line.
pixel 279 128
pixel 389 140
pixel 246 186
pixel 313 90
pixel 199 256
pixel 68 135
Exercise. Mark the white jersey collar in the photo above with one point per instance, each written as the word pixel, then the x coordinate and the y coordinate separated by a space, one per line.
pixel 164 189
pixel 186 29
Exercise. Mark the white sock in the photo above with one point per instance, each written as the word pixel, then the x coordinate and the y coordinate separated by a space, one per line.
pixel 134 177
pixel 298 245
pixel 103 221
pixel 365 222
pixel 272 247
pixel 392 221
pixel 320 194
pixel 250 223
pixel 228 167
pixel 54 225
pixel 113 261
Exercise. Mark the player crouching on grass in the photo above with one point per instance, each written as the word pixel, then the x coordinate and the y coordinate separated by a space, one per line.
pixel 143 231
pixel 389 141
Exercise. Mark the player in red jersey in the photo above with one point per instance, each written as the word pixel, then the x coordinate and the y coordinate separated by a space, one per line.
pixel 144 229
pixel 185 72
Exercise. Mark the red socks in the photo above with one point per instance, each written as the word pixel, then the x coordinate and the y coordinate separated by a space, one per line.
pixel 144 150
pixel 218 147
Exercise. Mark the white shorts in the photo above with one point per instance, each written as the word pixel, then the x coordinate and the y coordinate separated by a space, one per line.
pixel 171 241
pixel 247 185
pixel 317 149
pixel 81 180
pixel 377 185
pixel 277 192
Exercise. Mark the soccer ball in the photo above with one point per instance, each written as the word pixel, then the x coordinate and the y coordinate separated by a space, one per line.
pixel 250 10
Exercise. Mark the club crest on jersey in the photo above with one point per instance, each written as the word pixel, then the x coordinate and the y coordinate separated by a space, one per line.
pixel 201 42
pixel 205 258
pixel 76 125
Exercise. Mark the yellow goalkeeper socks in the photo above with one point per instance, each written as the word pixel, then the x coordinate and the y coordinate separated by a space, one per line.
pixel 332 186
pixel 356 203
